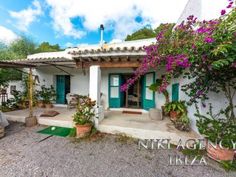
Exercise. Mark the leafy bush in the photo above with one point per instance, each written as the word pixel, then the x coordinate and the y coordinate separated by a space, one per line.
pixel 183 123
pixel 217 129
pixel 178 106
pixel 46 94
pixel 85 111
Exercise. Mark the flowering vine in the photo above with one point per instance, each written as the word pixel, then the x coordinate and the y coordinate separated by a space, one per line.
pixel 199 50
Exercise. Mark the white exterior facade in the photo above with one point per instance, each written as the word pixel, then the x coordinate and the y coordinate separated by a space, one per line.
pixel 80 84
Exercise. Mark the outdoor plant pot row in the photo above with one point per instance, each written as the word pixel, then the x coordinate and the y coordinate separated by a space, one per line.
pixel 46 95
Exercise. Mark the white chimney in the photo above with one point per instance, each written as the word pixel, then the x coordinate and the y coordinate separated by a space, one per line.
pixel 102 31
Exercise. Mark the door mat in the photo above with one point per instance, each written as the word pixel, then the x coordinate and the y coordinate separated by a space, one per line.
pixel 57 131
pixel 131 112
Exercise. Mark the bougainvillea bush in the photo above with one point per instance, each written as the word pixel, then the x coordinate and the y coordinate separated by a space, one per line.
pixel 202 51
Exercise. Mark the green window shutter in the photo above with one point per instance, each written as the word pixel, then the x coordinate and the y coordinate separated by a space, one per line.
pixel 175 92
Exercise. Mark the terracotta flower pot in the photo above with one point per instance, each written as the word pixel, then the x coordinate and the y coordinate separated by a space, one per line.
pixel 219 154
pixel 83 130
pixel 48 105
pixel 173 115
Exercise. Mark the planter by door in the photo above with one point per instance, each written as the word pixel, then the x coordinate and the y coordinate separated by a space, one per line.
pixel 173 115
pixel 148 95
pixel 83 130
pixel 62 88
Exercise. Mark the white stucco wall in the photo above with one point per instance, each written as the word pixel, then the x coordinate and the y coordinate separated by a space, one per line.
pixel 79 83
pixel 18 85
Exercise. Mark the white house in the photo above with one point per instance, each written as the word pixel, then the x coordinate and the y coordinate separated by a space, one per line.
pixel 100 70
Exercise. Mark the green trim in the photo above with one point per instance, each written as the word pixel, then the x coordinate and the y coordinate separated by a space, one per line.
pixel 114 102
pixel 62 88
pixel 175 92
pixel 147 104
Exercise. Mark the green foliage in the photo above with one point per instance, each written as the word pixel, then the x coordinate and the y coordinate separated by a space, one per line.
pixel 178 106
pixel 22 47
pixel 19 49
pixel 141 34
pixel 46 94
pixel 46 47
pixel 165 26
pixel 183 123
pixel 216 128
pixel 145 32
pixel 14 103
pixel 85 111
pixel 229 165
pixel 155 87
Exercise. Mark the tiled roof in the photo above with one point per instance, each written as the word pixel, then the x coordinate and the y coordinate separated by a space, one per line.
pixel 62 55
pixel 127 47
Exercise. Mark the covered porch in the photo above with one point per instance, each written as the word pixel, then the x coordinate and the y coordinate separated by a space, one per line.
pixel 115 122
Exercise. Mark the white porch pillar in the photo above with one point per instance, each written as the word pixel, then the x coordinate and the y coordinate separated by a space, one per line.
pixel 95 91
pixel 95 84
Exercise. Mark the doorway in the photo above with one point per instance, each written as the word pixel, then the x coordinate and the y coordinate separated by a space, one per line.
pixel 133 96
pixel 62 88
pixel 137 96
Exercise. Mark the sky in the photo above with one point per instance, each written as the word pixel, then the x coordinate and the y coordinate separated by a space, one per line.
pixel 70 23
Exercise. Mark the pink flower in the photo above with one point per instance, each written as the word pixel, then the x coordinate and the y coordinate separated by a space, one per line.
pixel 223 12
pixel 209 39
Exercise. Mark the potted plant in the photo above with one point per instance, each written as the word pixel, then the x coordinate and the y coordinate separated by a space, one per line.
pixel 47 95
pixel 219 133
pixel 39 100
pixel 83 116
pixel 175 109
pixel 183 123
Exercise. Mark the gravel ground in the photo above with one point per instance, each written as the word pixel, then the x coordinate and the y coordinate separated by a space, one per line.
pixel 23 154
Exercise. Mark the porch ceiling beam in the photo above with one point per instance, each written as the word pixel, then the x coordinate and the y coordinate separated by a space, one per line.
pixel 60 65
pixel 59 68
pixel 8 64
